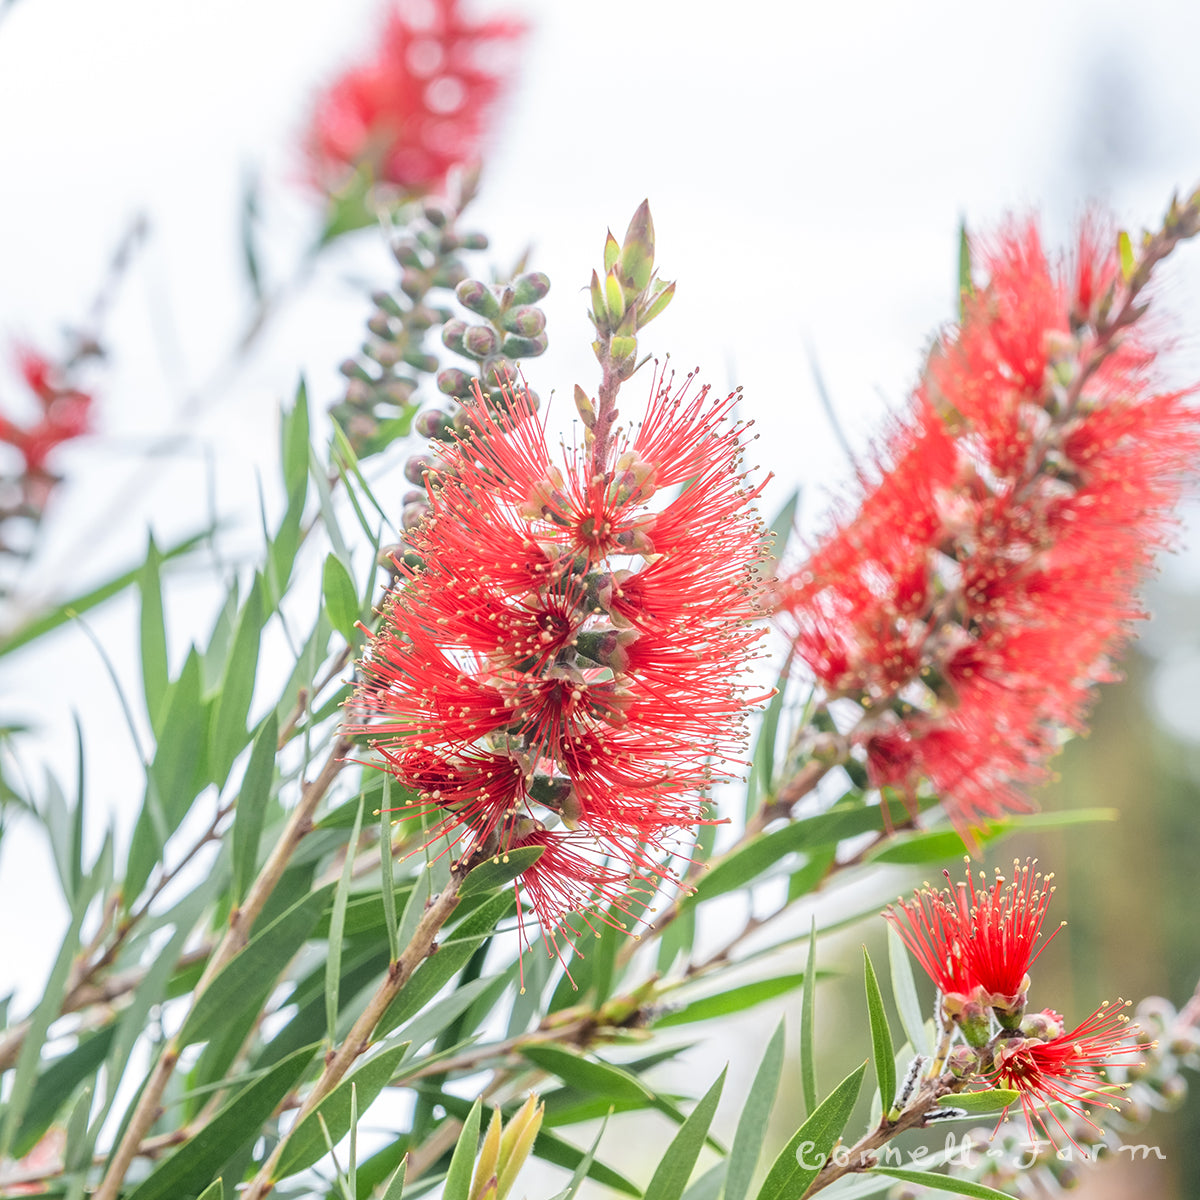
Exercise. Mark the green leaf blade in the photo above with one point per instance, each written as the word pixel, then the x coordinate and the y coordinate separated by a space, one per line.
pixel 881 1037
pixel 675 1169
pixel 752 1125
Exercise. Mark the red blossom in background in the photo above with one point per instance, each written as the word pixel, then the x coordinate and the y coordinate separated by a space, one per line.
pixel 64 414
pixel 419 105
pixel 990 573
pixel 569 651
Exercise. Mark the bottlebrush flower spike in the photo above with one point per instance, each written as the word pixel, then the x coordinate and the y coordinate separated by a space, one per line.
pixel 990 573
pixel 978 945
pixel 1066 1069
pixel 569 652
pixel 419 105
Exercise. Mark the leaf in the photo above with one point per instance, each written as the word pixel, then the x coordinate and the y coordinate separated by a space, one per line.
pixel 557 1150
pixel 734 1000
pixel 40 1020
pixel 68 610
pixel 677 1164
pixel 792 1171
pixel 55 1086
pixel 214 1191
pixel 943 1183
pixel 252 805
pixel 808 1053
pixel 498 871
pixel 341 597
pixel 993 1100
pixel 228 734
pixel 709 1186
pixel 752 1125
pixel 236 1125
pixel 395 1185
pixel 904 992
pixel 966 284
pixel 590 1075
pixel 337 925
pixel 840 822
pixel 572 1189
pixel 250 975
pixel 385 867
pixel 306 1143
pixel 881 1037
pixel 153 634
pixel 458 1177
pixel 435 1018
pixel 762 771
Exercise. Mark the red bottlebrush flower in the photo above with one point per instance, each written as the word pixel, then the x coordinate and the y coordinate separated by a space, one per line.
pixel 569 651
pixel 978 945
pixel 1066 1070
pixel 990 573
pixel 65 413
pixel 419 106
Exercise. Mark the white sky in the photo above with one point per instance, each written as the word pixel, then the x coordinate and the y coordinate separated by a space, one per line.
pixel 806 165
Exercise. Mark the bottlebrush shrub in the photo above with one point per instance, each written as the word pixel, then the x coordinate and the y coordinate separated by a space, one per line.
pixel 419 105
pixel 560 664
pixel 989 574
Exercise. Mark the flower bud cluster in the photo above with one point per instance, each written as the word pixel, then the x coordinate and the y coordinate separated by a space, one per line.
pixel 382 382
pixel 977 946
pixel 562 670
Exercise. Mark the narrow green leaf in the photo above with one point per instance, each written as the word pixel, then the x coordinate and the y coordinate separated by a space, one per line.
pixel 904 992
pixel 802 1158
pixel 590 1075
pixel 347 456
pixel 395 1185
pixel 385 864
pixel 808 1052
pixel 214 1191
pixel 677 1164
pixel 337 925
pixel 153 633
pixel 571 1191
pixel 734 1000
pixel 248 978
pixel 306 1144
pixel 931 846
pixel 752 1125
pixel 236 1125
pixel 552 1148
pixel 840 822
pixel 252 805
pixel 993 1100
pixel 943 1183
pixel 40 1020
pixel 352 1166
pixel 295 439
pixel 333 531
pixel 79 1147
pixel 435 1018
pixel 341 597
pixel 762 769
pixel 228 734
pixel 70 609
pixel 966 283
pixel 498 871
pixel 458 1177
pixel 56 1085
pixel 710 1185
pixel 881 1037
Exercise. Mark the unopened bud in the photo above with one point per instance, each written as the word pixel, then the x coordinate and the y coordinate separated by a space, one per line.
pixel 453 333
pixel 523 347
pixel 962 1061
pixel 420 361
pixel 407 253
pixel 530 288
pixel 351 368
pixel 413 514
pixel 585 408
pixel 516 1143
pixel 454 382
pixel 527 320
pixel 480 341
pixel 433 423
pixel 413 283
pixel 434 211
pixel 379 325
pixel 418 467
pixel 1045 1025
pixel 479 298
pixel 473 241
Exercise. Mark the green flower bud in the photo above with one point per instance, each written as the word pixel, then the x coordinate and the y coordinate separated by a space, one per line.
pixel 530 288
pixel 479 298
